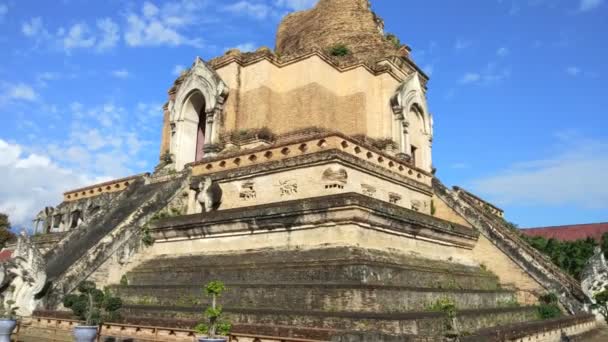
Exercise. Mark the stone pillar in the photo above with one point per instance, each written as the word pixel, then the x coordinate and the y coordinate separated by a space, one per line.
pixel 209 118
pixel 397 130
pixel 166 134
pixel 405 147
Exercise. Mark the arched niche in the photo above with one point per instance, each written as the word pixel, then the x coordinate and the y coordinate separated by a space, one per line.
pixel 195 115
pixel 413 128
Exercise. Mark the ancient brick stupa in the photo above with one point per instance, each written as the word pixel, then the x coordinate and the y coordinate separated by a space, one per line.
pixel 303 179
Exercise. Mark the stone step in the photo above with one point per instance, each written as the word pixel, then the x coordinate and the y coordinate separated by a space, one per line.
pixel 331 265
pixel 410 324
pixel 327 298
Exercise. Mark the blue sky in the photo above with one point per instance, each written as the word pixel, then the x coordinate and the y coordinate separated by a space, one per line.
pixel 516 91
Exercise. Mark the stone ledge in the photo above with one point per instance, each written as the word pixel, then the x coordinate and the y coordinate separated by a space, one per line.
pixel 348 208
pixel 292 152
pixel 351 315
pixel 522 330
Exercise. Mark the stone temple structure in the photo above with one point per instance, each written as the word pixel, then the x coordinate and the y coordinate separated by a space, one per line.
pixel 302 177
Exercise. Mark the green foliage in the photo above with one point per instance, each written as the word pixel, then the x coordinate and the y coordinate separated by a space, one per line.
pixel 570 256
pixel 601 301
pixel 445 305
pixel 393 39
pixel 509 303
pixel 146 237
pixel 213 314
pixel 380 144
pixel 433 208
pixel 339 50
pixel 124 281
pixel 263 133
pixel 548 307
pixel 604 244
pixel 5 230
pixel 8 311
pixel 92 305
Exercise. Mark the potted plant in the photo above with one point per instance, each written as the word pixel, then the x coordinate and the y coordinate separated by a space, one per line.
pixel 92 306
pixel 214 329
pixel 8 320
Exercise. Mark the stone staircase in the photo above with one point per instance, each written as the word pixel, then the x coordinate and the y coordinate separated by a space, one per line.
pixel 86 248
pixel 320 294
pixel 539 266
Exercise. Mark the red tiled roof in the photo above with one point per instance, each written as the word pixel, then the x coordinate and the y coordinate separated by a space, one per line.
pixel 570 233
pixel 5 255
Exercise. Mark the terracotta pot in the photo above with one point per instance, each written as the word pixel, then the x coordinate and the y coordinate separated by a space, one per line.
pixel 85 333
pixel 6 329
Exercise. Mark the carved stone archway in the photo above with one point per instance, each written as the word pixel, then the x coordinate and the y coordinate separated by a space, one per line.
pixel 410 98
pixel 203 80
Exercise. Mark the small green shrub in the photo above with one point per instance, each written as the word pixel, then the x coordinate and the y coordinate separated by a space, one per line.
pixel 146 236
pixel 548 307
pixel 213 314
pixel 339 50
pixel 93 305
pixel 393 39
pixel 509 303
pixel 445 305
pixel 124 281
pixel 433 208
pixel 263 133
pixel 601 302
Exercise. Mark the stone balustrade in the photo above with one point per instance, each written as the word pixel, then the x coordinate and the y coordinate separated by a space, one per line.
pixel 59 329
pixel 98 189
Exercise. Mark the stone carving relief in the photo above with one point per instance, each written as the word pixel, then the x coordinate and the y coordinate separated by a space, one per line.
pixel 368 190
pixel 247 191
pixel 288 187
pixel 335 178
pixel 416 205
pixel 394 198
pixel 26 271
pixel 209 195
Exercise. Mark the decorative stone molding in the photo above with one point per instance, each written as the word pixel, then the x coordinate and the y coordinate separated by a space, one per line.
pixel 310 146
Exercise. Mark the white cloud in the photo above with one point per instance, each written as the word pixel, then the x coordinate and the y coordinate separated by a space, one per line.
pixel 470 77
pixel 78 36
pixel 492 73
pixel 296 5
pixel 588 5
pixel 150 28
pixel 246 47
pixel 32 181
pixel 178 69
pixel 18 92
pixel 502 52
pixel 109 34
pixel 121 73
pixel 573 71
pixel 255 10
pixel 576 177
pixel 33 27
